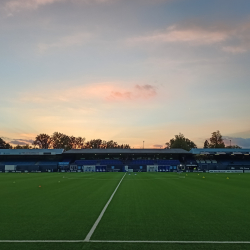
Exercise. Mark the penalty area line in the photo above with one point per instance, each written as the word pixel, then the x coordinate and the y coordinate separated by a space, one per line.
pixel 102 213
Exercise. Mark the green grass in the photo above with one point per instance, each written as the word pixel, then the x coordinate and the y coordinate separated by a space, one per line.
pixel 120 246
pixel 56 210
pixel 146 206
pixel 161 206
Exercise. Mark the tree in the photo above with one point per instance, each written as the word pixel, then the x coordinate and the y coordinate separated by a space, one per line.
pixel 76 142
pixel 43 141
pixel 4 145
pixel 79 142
pixel 95 143
pixel 216 140
pixel 181 142
pixel 206 144
pixel 23 147
pixel 60 140
pixel 98 143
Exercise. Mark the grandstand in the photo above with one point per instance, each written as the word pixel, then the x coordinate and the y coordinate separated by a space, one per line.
pixel 214 159
pixel 142 160
pixel 113 160
pixel 31 160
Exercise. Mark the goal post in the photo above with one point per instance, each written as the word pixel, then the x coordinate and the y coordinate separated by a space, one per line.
pixel 152 168
pixel 89 168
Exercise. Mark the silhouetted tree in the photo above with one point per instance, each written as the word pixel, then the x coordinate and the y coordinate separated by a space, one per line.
pixel 181 142
pixel 216 140
pixel 23 147
pixel 43 141
pixel 206 144
pixel 95 143
pixel 4 145
pixel 60 140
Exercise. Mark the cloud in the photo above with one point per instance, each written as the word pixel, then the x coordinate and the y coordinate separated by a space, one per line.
pixel 20 142
pixel 157 146
pixel 19 5
pixel 138 92
pixel 234 49
pixel 67 41
pixel 5 138
pixel 12 6
pixel 231 39
pixel 107 91
pixel 242 142
pixel 192 35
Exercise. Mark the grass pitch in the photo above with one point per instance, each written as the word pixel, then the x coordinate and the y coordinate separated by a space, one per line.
pixel 61 208
pixel 146 206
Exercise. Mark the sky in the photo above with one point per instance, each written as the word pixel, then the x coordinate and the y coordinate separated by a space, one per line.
pixel 125 70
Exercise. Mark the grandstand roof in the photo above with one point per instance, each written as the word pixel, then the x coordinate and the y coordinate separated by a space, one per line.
pixel 196 151
pixel 127 151
pixel 31 151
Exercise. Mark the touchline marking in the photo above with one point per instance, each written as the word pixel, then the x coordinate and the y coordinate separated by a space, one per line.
pixel 171 242
pixel 125 241
pixel 102 213
pixel 40 241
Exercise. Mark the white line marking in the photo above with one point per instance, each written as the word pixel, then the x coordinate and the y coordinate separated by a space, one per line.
pixel 125 241
pixel 40 241
pixel 101 214
pixel 178 242
pixel 171 242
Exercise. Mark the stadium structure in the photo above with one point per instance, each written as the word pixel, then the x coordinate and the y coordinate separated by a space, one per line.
pixel 125 160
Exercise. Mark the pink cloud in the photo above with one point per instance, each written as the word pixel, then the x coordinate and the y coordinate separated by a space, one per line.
pixel 108 91
pixel 232 39
pixel 196 35
pixel 120 95
pixel 137 92
pixel 158 146
pixel 235 49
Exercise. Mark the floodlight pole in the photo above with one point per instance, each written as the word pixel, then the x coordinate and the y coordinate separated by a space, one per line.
pixel 143 144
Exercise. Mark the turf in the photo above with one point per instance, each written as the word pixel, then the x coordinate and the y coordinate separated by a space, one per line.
pixel 119 246
pixel 162 206
pixel 62 208
pixel 146 206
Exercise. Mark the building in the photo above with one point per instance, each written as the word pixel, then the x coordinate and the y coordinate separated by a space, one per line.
pixel 144 160
pixel 127 159
pixel 92 159
pixel 208 159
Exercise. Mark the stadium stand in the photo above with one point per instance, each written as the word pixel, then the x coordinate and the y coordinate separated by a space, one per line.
pixel 142 162
pixel 111 162
pixel 86 162
pixel 168 162
pixel 18 163
pixel 47 163
pixel 125 159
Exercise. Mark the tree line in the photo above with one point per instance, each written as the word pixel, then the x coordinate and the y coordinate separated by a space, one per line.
pixel 60 140
pixel 215 141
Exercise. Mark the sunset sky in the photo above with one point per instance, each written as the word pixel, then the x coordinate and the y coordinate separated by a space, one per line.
pixel 125 70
